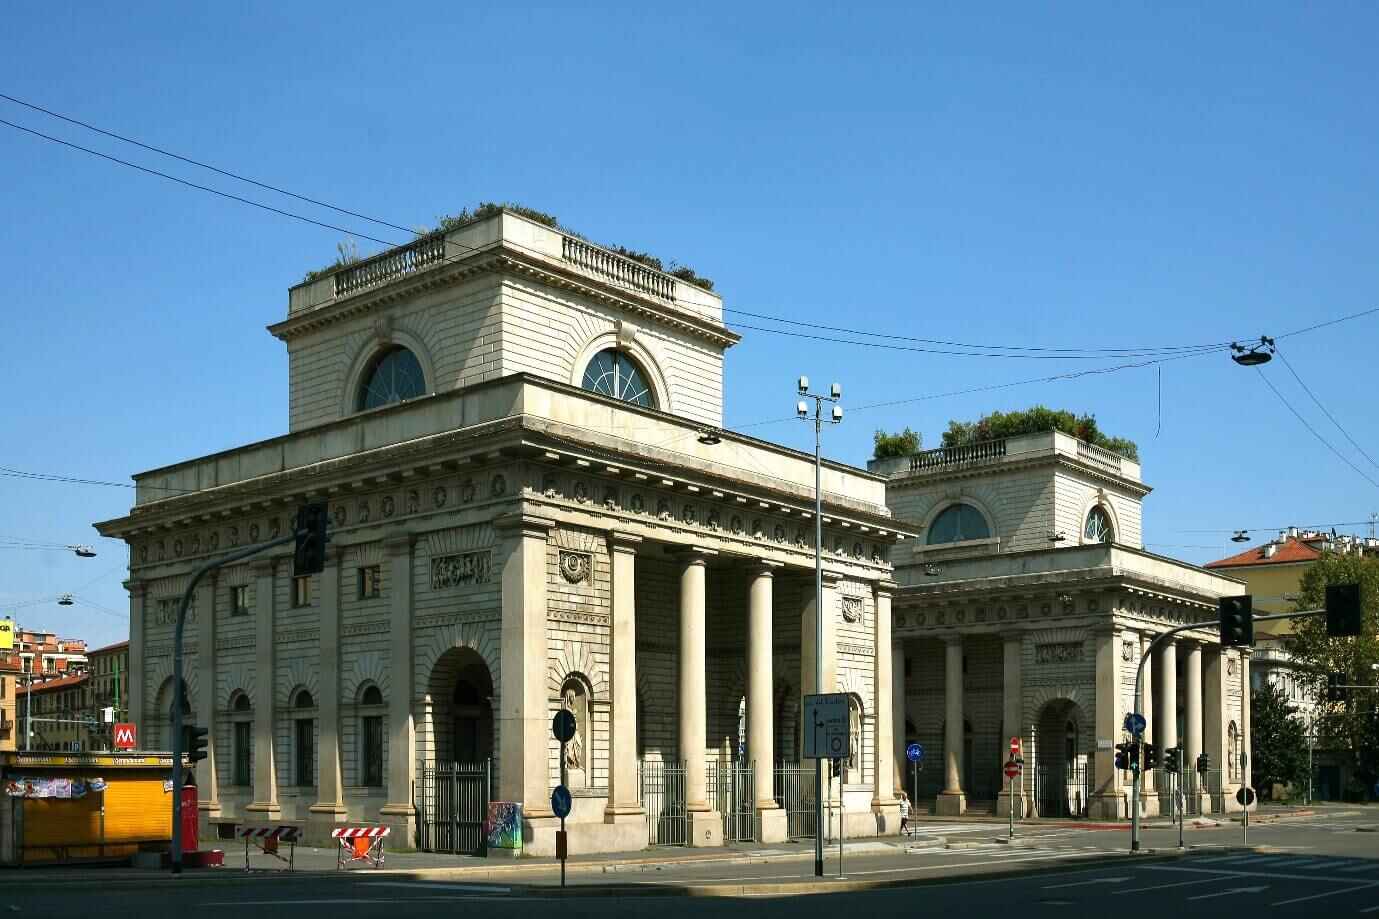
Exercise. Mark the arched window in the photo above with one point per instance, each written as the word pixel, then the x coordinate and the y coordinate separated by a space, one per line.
pixel 393 376
pixel 242 749
pixel 304 739
pixel 371 736
pixel 958 523
pixel 1098 526
pixel 612 373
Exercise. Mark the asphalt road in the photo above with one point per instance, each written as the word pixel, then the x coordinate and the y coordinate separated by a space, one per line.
pixel 1315 866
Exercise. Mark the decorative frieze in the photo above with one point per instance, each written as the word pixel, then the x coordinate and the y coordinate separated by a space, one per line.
pixel 376 627
pixel 1064 652
pixel 298 635
pixel 857 650
pixel 445 620
pixel 461 570
pixel 597 619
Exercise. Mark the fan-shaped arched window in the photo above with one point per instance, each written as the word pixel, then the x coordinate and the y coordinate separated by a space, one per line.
pixel 957 524
pixel 612 373
pixel 371 736
pixel 1098 526
pixel 304 740
pixel 394 375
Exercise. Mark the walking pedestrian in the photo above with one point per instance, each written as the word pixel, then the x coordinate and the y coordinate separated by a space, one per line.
pixel 904 813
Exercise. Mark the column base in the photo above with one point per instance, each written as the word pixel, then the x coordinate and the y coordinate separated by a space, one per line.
pixel 624 813
pixel 1022 805
pixel 1111 805
pixel 538 836
pixel 772 824
pixel 266 811
pixel 951 804
pixel 320 820
pixel 402 820
pixel 887 814
pixel 703 829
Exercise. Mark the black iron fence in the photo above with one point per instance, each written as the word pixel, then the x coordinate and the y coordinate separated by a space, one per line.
pixel 663 798
pixel 453 806
pixel 732 792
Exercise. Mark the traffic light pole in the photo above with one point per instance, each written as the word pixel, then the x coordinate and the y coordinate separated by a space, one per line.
pixel 177 694
pixel 1139 702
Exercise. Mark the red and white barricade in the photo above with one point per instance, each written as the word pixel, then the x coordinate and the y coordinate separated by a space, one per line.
pixel 267 839
pixel 360 844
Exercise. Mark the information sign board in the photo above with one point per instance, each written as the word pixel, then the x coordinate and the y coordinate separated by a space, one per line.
pixel 826 726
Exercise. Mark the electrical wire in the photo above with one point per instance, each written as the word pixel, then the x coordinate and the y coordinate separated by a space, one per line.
pixel 1307 389
pixel 1310 526
pixel 1314 432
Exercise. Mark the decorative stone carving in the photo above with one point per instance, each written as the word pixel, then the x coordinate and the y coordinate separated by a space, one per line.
pixel 900 620
pixel 363 512
pixel 388 506
pixel 939 617
pixel 413 501
pixel 214 542
pixel 638 503
pixel 1230 667
pixel 460 570
pixel 1092 605
pixel 980 615
pixel 550 485
pixel 274 527
pixel 779 533
pixel 1059 653
pixel 857 550
pixel 1127 651
pixel 611 498
pixel 1001 612
pixel 232 534
pixel 663 509
pixel 254 532
pixel 439 496
pixel 875 554
pixel 196 543
pixel 1045 609
pixel 575 566
pixel 801 539
pixel 689 515
pixel 852 609
pixel 736 525
pixel 143 552
pixel 499 486
pixel 714 521
pixel 757 531
pixel 467 491
pixel 838 546
pixel 581 491
pixel 177 547
pixel 920 619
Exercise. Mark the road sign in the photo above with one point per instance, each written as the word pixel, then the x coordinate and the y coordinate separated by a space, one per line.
pixel 1245 796
pixel 563 725
pixel 1012 769
pixel 560 801
pixel 1014 747
pixel 826 726
pixel 124 737
pixel 914 753
pixel 1135 723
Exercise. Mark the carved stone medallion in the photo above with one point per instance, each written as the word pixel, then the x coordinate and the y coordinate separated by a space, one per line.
pixel 852 608
pixel 574 566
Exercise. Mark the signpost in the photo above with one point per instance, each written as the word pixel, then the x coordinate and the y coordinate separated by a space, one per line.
pixel 124 737
pixel 1245 797
pixel 915 754
pixel 1013 770
pixel 826 737
pixel 563 728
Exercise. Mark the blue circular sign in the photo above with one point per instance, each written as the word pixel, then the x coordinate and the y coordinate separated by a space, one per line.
pixel 914 753
pixel 560 801
pixel 1135 723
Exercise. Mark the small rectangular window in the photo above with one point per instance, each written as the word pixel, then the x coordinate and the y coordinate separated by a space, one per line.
pixel 372 750
pixel 239 600
pixel 243 753
pixel 306 753
pixel 370 582
pixel 301 591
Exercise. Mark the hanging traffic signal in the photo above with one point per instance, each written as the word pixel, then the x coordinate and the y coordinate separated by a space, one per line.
pixel 1123 755
pixel 1152 758
pixel 309 556
pixel 1203 763
pixel 1173 759
pixel 1237 620
pixel 194 741
pixel 1335 687
pixel 1345 615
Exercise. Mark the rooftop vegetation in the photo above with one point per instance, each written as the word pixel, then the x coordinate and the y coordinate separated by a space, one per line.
pixel 1035 420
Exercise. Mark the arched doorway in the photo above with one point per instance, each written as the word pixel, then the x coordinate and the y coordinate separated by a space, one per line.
pixel 160 737
pixel 462 696
pixel 1062 777
pixel 456 777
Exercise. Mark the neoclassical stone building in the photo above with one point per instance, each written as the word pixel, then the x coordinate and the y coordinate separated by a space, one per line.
pixel 1023 610
pixel 531 509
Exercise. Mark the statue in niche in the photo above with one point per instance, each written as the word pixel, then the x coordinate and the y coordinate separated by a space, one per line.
pixel 854 758
pixel 574 700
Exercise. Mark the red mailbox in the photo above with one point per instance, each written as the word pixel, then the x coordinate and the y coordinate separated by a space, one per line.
pixel 190 818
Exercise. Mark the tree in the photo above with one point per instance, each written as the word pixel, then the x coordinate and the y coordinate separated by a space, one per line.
pixel 1034 420
pixel 1349 728
pixel 904 443
pixel 1278 740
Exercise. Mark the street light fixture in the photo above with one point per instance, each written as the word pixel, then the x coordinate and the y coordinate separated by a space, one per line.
pixel 83 551
pixel 1253 355
pixel 1241 536
pixel 65 600
pixel 835 393
pixel 709 437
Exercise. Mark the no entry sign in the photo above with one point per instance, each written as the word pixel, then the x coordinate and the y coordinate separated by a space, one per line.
pixel 1012 769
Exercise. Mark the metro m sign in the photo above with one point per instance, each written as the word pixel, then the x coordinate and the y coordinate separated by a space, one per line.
pixel 124 737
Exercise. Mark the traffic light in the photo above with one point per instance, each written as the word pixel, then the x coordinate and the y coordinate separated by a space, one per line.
pixel 1123 755
pixel 1335 687
pixel 1173 759
pixel 1203 763
pixel 310 554
pixel 1237 620
pixel 1151 756
pixel 194 742
pixel 1345 614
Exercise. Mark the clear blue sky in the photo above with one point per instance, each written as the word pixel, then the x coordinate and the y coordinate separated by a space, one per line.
pixel 1060 176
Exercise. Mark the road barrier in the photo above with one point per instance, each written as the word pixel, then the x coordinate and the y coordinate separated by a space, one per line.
pixel 360 844
pixel 267 838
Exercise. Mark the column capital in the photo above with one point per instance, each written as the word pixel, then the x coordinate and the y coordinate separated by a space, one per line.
pixel 954 639
pixel 137 587
pixel 626 543
pixel 762 567
pixel 885 587
pixel 263 567
pixel 520 524
pixel 831 578
pixel 693 555
pixel 400 543
pixel 1013 637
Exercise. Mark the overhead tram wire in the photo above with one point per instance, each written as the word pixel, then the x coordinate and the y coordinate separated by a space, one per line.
pixel 1307 389
pixel 1313 431
pixel 1308 526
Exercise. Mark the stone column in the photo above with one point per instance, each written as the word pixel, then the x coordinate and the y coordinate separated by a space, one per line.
pixel 1248 767
pixel 1166 705
pixel 398 812
pixel 1149 802
pixel 265 805
pixel 329 809
pixel 207 783
pixel 705 826
pixel 829 658
pixel 1192 713
pixel 134 680
pixel 1108 796
pixel 624 806
pixel 1012 718
pixel 523 714
pixel 951 800
pixel 771 820
pixel 883 802
pixel 1215 719
pixel 902 763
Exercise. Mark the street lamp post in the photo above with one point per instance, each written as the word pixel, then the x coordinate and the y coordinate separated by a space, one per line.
pixel 835 395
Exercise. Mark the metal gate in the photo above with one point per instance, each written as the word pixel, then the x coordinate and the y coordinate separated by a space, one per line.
pixel 663 798
pixel 732 792
pixel 793 787
pixel 1062 791
pixel 454 803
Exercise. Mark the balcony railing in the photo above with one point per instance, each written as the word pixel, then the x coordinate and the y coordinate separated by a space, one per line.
pixel 616 268
pixel 389 265
pixel 951 456
pixel 1098 456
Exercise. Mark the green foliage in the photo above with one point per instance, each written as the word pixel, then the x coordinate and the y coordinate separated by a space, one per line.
pixel 903 443
pixel 488 209
pixel 1350 728
pixel 1035 420
pixel 1278 740
pixel 347 253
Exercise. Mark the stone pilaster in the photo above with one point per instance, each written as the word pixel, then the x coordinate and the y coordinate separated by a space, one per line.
pixel 951 800
pixel 1166 705
pixel 1149 802
pixel 265 806
pixel 624 805
pixel 883 801
pixel 1012 718
pixel 398 812
pixel 207 783
pixel 134 680
pixel 1192 710
pixel 1215 720
pixel 1109 799
pixel 902 763
pixel 329 809
pixel 772 825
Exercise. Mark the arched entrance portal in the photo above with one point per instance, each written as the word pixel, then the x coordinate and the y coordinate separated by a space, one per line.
pixel 1062 777
pixel 456 776
pixel 462 699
